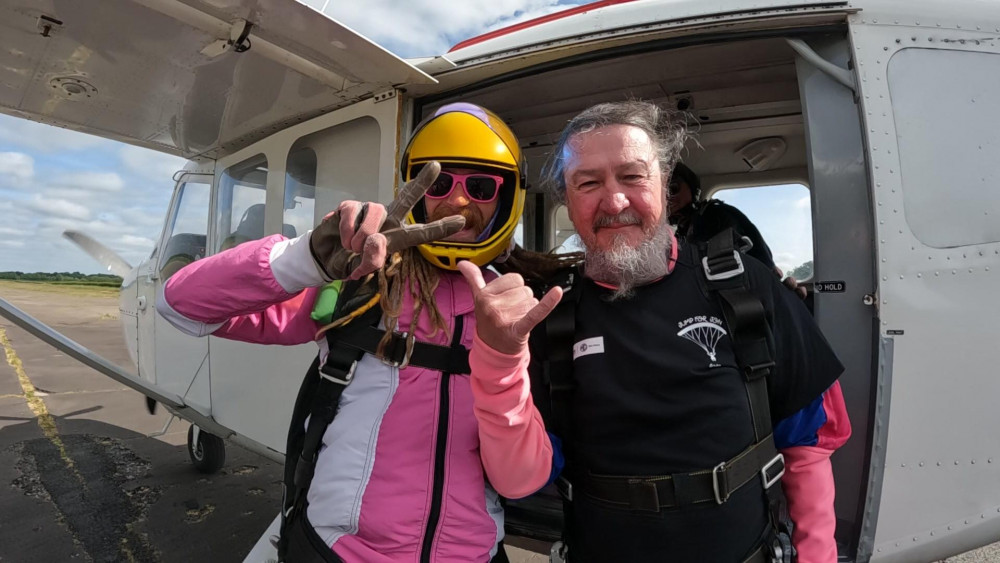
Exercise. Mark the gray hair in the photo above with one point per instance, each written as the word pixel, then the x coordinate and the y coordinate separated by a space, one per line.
pixel 665 128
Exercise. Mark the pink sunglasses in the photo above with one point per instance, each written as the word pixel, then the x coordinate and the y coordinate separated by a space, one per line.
pixel 480 187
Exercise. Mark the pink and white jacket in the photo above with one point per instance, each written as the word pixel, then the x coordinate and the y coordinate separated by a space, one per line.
pixel 371 496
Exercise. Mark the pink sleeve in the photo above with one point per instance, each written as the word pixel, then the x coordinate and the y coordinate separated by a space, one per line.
pixel 235 294
pixel 515 449
pixel 808 484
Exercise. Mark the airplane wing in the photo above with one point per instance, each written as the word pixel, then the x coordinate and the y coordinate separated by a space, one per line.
pixel 75 350
pixel 188 77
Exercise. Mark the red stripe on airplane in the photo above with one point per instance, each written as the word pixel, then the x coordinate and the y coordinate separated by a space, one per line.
pixel 536 21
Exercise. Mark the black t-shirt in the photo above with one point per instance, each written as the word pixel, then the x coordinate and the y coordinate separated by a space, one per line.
pixel 659 392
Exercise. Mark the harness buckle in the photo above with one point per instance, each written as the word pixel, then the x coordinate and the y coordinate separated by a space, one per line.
pixel 717 471
pixel 408 340
pixel 565 488
pixel 769 481
pixel 726 274
pixel 343 380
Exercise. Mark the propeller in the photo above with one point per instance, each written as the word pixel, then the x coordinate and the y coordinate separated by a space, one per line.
pixel 107 257
pixel 114 264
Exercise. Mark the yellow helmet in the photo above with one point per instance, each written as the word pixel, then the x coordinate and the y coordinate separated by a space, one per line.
pixel 469 136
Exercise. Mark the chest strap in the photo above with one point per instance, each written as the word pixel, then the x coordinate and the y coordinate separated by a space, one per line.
pixel 656 492
pixel 403 350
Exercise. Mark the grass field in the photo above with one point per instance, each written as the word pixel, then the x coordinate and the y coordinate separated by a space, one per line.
pixel 82 289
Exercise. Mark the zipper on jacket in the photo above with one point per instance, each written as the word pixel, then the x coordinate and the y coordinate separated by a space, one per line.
pixel 440 450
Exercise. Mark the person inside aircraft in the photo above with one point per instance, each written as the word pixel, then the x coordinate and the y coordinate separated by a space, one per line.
pixel 397 474
pixel 646 388
pixel 698 220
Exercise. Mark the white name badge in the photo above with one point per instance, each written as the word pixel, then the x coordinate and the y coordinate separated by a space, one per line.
pixel 589 346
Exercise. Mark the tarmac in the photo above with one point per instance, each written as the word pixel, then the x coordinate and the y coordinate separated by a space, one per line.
pixel 81 478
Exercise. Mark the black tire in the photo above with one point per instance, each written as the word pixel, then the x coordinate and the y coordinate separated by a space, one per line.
pixel 209 454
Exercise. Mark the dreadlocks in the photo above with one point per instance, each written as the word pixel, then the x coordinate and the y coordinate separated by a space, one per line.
pixel 409 271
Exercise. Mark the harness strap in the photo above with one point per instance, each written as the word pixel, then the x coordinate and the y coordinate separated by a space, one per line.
pixel 656 492
pixel 747 323
pixel 402 350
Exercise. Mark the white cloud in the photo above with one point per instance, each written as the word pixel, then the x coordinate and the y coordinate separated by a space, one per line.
pixel 16 168
pixel 12 243
pixel 802 203
pixel 90 181
pixel 150 164
pixel 54 207
pixel 429 27
pixel 137 243
pixel 45 138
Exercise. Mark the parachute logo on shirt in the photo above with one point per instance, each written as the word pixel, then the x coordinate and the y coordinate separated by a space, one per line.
pixel 703 331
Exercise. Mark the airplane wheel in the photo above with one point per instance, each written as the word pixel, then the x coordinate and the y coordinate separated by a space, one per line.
pixel 209 454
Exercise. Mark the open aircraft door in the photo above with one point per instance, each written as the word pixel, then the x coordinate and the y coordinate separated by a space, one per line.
pixel 930 86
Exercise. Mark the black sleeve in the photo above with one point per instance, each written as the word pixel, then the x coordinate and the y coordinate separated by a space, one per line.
pixel 805 365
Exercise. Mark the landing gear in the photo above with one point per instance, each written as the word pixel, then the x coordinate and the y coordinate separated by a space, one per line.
pixel 207 451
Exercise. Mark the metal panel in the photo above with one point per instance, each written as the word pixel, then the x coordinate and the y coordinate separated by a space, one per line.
pixel 939 494
pixel 844 252
pixel 957 204
pixel 630 17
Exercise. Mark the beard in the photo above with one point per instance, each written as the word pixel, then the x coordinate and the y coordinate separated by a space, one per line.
pixel 628 267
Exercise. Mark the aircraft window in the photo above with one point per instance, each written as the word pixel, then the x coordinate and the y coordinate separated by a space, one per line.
pixel 783 215
pixel 300 191
pixel 327 167
pixel 947 155
pixel 186 236
pixel 566 238
pixel 242 197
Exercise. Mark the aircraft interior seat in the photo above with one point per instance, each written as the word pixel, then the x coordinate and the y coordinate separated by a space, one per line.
pixel 251 227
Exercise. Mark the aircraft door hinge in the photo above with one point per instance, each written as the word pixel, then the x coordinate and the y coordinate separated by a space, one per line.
pixel 238 41
pixel 386 95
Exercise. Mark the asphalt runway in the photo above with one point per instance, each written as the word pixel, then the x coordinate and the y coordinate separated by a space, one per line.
pixel 81 480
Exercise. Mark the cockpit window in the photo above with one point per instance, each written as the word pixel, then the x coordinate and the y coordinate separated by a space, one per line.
pixel 241 205
pixel 186 234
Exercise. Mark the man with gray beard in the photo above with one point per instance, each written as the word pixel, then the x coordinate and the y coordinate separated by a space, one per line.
pixel 640 409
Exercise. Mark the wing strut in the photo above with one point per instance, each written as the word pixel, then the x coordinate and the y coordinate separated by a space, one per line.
pixel 82 354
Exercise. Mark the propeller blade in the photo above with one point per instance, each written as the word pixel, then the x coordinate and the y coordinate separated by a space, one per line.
pixel 104 255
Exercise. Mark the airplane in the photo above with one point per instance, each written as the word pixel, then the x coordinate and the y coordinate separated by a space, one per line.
pixel 883 110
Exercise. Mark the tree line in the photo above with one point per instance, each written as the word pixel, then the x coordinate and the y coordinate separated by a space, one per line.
pixel 64 277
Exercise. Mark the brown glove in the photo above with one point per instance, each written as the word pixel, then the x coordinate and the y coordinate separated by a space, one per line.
pixel 356 239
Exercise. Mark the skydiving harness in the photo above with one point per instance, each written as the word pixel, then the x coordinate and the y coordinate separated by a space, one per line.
pixel 319 397
pixel 723 276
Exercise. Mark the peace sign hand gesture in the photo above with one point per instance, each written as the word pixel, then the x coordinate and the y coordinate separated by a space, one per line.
pixel 356 239
pixel 506 309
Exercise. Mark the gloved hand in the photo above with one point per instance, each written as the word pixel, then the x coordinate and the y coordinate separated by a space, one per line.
pixel 356 239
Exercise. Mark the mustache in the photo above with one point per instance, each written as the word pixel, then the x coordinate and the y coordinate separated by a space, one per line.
pixel 474 219
pixel 624 218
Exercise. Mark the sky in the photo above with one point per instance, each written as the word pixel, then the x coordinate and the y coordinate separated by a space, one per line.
pixel 53 179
